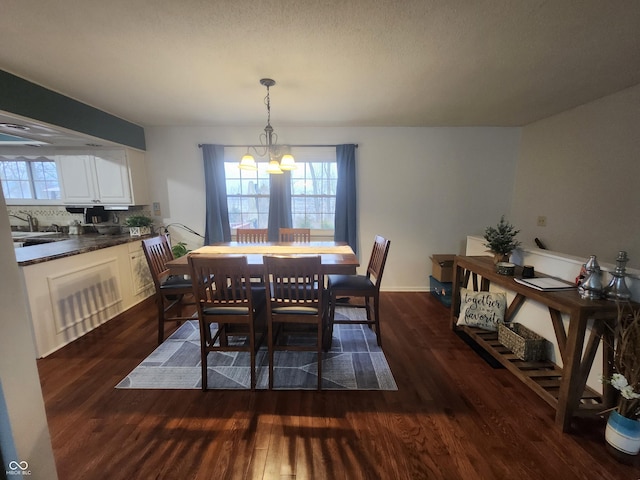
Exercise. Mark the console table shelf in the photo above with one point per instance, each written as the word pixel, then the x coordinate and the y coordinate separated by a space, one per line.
pixel 543 377
pixel 563 388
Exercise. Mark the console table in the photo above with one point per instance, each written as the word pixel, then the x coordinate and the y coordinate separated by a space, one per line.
pixel 563 388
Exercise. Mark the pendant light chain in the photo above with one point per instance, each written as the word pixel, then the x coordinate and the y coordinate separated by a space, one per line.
pixel 267 101
pixel 272 150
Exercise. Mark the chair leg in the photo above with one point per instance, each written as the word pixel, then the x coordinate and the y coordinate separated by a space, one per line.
pixel 376 313
pixel 320 356
pixel 223 338
pixel 327 338
pixel 160 305
pixel 367 304
pixel 329 330
pixel 252 343
pixel 270 348
pixel 179 310
pixel 203 363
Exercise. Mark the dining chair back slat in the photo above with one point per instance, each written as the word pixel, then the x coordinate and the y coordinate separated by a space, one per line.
pixel 252 235
pixel 158 252
pixel 295 235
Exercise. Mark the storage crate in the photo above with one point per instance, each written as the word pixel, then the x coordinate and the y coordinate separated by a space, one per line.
pixel 441 290
pixel 442 267
pixel 525 344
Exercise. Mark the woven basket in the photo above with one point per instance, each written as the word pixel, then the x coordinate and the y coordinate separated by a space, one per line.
pixel 525 344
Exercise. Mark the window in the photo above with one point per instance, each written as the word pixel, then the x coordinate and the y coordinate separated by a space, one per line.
pixel 313 189
pixel 247 195
pixel 29 178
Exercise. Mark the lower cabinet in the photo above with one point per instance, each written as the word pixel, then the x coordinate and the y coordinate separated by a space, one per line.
pixel 71 296
pixel 141 279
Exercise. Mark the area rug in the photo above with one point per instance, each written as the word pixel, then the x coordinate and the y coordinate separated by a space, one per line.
pixel 355 362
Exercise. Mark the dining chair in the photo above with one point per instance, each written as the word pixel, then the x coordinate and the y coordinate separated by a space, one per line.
pixel 298 235
pixel 252 235
pixel 173 292
pixel 365 286
pixel 295 306
pixel 225 298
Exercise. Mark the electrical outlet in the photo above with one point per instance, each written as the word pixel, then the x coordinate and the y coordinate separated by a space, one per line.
pixel 542 221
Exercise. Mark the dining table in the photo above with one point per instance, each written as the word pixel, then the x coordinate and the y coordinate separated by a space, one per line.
pixel 336 257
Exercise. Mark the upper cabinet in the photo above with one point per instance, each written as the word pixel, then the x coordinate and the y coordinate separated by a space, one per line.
pixel 103 177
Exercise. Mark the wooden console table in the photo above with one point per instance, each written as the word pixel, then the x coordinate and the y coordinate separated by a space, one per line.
pixel 563 388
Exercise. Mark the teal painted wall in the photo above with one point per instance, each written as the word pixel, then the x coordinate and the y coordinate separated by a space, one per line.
pixel 29 100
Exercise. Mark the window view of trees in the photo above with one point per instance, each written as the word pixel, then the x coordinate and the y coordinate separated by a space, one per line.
pixel 313 190
pixel 29 178
pixel 247 196
pixel 313 195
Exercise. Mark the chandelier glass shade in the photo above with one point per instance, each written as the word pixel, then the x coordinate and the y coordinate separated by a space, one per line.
pixel 279 158
pixel 248 162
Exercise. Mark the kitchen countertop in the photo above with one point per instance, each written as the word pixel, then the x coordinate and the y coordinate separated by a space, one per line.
pixel 71 245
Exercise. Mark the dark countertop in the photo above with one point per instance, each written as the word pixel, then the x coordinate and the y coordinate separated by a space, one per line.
pixel 71 245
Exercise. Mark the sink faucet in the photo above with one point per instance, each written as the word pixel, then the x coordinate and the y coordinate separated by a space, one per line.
pixel 32 221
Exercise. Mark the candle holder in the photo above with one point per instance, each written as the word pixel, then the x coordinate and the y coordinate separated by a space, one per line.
pixel 591 287
pixel 617 288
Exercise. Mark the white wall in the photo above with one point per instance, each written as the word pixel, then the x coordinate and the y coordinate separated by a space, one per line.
pixel 18 373
pixel 423 188
pixel 581 169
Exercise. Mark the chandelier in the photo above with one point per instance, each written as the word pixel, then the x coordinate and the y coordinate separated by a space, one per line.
pixel 279 158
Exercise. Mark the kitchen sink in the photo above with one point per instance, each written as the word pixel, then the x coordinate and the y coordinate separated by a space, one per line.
pixel 28 239
pixel 22 235
pixel 28 242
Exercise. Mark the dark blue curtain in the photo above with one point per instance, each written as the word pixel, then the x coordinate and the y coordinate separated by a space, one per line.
pixel 217 212
pixel 279 204
pixel 346 207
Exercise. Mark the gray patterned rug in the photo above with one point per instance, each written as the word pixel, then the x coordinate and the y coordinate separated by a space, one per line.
pixel 355 362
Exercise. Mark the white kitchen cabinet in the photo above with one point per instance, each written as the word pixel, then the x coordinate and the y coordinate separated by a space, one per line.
pixel 103 177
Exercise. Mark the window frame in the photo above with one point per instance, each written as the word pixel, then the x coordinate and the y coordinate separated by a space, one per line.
pixel 317 155
pixel 246 176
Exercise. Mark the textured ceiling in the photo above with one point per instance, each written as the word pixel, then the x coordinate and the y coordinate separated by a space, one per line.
pixel 336 63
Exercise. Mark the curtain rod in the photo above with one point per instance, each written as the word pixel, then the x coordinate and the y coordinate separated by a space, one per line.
pixel 282 145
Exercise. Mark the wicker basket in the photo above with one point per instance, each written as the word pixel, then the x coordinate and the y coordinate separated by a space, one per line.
pixel 525 344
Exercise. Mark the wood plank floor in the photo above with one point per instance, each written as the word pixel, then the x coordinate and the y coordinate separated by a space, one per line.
pixel 453 417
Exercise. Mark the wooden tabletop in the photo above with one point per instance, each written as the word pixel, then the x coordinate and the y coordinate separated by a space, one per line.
pixel 336 257
pixel 565 301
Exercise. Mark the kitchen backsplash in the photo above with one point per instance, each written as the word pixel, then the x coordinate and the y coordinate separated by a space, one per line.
pixel 48 217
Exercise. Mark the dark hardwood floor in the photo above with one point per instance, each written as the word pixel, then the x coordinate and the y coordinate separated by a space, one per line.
pixel 453 417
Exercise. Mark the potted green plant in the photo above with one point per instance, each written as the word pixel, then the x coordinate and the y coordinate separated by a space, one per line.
pixel 622 432
pixel 501 240
pixel 139 225
pixel 179 249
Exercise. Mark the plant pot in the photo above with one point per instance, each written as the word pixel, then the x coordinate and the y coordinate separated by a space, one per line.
pixel 623 437
pixel 500 258
pixel 139 231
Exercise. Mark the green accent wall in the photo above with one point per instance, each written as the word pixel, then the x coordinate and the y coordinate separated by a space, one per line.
pixel 29 100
